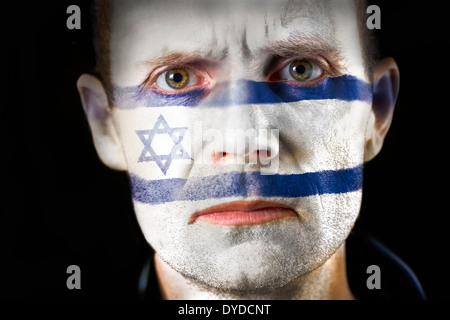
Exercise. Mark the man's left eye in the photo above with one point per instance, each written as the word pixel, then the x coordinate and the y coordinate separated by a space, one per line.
pixel 300 71
pixel 179 79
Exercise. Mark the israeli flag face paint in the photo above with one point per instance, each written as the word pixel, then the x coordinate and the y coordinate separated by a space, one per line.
pixel 216 123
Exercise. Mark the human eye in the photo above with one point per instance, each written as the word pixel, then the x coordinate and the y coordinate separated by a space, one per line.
pixel 299 71
pixel 179 80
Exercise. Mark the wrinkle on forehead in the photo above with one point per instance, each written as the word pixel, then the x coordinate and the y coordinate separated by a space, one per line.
pixel 148 29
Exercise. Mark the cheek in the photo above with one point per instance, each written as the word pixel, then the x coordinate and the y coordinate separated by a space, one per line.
pixel 322 135
pixel 343 135
pixel 156 141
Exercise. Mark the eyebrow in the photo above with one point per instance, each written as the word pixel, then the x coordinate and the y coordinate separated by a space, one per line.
pixel 178 58
pixel 293 46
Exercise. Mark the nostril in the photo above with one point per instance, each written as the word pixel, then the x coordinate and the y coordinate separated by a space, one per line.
pixel 263 154
pixel 219 157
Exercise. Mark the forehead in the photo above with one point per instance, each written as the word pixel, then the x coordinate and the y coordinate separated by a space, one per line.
pixel 144 30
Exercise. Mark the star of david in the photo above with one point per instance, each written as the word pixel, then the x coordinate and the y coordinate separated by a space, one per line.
pixel 162 160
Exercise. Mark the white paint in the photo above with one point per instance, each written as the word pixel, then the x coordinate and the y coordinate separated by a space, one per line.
pixel 249 257
pixel 314 135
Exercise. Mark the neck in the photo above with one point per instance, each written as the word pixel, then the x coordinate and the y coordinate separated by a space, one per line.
pixel 328 282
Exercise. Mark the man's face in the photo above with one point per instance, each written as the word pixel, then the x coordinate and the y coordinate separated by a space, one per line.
pixel 204 90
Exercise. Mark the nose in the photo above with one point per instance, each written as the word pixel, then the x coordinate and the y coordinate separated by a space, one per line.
pixel 248 147
pixel 241 126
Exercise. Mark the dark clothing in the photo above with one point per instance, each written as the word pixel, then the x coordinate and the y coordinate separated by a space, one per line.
pixel 398 281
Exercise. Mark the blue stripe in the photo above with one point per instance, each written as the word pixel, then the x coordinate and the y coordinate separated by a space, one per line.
pixel 346 88
pixel 247 184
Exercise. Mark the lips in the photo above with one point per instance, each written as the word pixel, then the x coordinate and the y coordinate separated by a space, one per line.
pixel 244 213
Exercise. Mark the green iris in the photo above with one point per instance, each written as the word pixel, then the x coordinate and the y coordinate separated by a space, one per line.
pixel 177 78
pixel 301 70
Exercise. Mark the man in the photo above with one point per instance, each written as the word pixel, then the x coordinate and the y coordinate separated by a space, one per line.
pixel 243 126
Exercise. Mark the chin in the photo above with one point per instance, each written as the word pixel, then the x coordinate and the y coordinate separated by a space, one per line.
pixel 253 257
pixel 246 258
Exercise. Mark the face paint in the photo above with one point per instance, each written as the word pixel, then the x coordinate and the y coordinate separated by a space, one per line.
pixel 346 88
pixel 320 146
pixel 164 160
pixel 247 184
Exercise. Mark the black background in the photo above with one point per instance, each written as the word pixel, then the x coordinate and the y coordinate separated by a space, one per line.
pixel 61 206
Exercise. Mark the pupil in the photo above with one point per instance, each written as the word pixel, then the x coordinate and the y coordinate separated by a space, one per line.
pixel 300 69
pixel 177 77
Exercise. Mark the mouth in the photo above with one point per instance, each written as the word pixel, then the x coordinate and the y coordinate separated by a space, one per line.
pixel 240 213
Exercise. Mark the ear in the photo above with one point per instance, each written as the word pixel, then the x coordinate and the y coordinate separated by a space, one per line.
pixel 98 113
pixel 386 83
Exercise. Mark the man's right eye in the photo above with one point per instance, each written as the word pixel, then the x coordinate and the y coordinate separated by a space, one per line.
pixel 179 80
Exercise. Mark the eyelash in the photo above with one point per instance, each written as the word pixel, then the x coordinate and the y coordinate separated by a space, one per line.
pixel 207 81
pixel 151 81
pixel 285 63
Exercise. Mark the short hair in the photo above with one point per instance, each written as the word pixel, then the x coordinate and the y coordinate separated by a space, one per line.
pixel 101 36
pixel 101 26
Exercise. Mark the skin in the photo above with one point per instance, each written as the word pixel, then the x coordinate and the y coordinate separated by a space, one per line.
pixel 296 258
